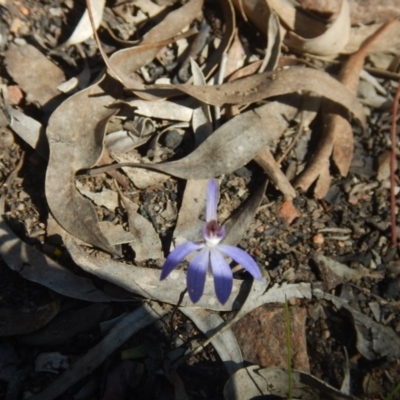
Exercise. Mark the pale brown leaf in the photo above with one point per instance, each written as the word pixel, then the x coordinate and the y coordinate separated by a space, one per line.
pixel 84 29
pixel 268 84
pixel 230 147
pixel 147 243
pixel 75 133
pixel 40 80
pixel 126 62
pixel 331 42
pixel 338 134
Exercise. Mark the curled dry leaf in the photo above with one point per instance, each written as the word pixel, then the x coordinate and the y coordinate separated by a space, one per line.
pixel 268 84
pixel 75 133
pixel 274 44
pixel 331 42
pixel 124 63
pixel 84 28
pixel 254 382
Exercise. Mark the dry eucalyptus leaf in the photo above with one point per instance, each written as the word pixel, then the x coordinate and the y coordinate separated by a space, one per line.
pixel 40 80
pixel 236 57
pixel 141 178
pixel 84 28
pixel 331 42
pixel 127 61
pixel 266 161
pixel 293 18
pixel 254 382
pixel 337 139
pixel 274 44
pixel 75 133
pixel 37 267
pixel 225 344
pixel 334 271
pixel 146 282
pixel 268 84
pixel 29 130
pixel 116 234
pixel 201 120
pixel 146 243
pixel 106 198
pixel 233 145
pixel 162 109
pixel 374 341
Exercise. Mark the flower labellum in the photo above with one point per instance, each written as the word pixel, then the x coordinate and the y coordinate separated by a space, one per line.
pixel 210 252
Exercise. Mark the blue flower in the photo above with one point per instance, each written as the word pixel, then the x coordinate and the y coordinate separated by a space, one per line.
pixel 210 252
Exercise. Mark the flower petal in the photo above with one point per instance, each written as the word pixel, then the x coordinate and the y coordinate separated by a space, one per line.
pixel 176 256
pixel 196 275
pixel 212 200
pixel 223 279
pixel 242 258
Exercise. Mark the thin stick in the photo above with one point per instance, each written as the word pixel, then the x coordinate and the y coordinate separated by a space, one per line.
pixel 393 137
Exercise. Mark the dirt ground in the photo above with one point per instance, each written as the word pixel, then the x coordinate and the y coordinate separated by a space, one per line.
pixel 329 261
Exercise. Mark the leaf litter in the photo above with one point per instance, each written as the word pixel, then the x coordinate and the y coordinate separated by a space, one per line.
pixel 120 242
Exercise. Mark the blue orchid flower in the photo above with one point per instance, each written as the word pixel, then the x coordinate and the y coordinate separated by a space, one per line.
pixel 210 252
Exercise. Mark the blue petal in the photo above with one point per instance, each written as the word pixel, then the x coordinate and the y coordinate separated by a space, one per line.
pixel 223 279
pixel 242 258
pixel 212 200
pixel 176 256
pixel 196 275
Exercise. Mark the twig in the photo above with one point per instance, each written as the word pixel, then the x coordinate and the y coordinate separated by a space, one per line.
pixel 393 137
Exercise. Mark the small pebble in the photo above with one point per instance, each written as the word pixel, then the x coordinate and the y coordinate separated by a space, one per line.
pixel 326 334
pixel 318 238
